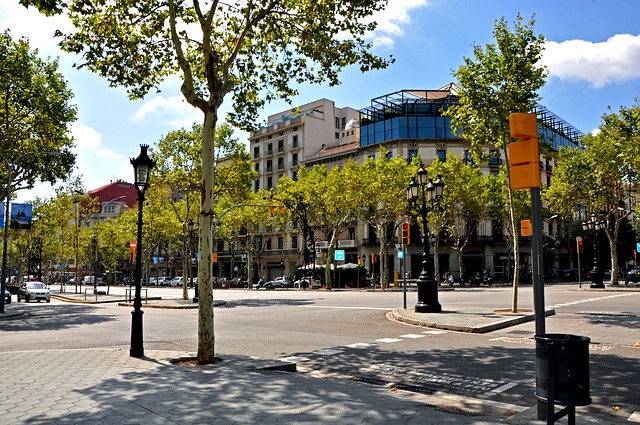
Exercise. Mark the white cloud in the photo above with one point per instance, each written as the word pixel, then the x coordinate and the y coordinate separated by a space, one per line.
pixel 38 28
pixel 85 137
pixel 613 61
pixel 392 19
pixel 179 111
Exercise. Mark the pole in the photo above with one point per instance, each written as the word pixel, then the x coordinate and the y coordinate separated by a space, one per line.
pixel 137 349
pixel 537 275
pixel 404 276
pixel 6 236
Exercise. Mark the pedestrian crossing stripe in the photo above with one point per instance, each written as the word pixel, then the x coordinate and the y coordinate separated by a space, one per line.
pixel 388 340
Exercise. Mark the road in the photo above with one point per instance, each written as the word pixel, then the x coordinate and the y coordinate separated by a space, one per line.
pixel 348 335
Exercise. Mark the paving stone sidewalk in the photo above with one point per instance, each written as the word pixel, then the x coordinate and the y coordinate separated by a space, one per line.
pixel 109 387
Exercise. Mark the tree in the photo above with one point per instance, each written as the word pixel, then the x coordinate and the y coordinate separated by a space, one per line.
pixel 464 201
pixel 254 51
pixel 35 113
pixel 602 176
pixel 502 78
pixel 383 184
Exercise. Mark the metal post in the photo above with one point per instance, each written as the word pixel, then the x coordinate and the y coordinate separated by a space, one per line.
pixel 427 287
pixel 537 274
pixel 6 236
pixel 137 348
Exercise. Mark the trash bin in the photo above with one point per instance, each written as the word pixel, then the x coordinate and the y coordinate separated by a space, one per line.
pixel 563 361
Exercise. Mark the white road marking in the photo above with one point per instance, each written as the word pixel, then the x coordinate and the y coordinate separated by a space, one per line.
pixel 294 359
pixel 327 352
pixel 414 336
pixel 360 345
pixel 334 307
pixel 635 417
pixel 503 388
pixel 388 340
pixel 434 332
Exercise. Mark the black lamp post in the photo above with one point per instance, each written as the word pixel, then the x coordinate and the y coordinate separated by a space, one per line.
pixel 190 227
pixel 594 225
pixel 431 192
pixel 142 166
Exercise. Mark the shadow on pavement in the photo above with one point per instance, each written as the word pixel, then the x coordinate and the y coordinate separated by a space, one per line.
pixel 43 317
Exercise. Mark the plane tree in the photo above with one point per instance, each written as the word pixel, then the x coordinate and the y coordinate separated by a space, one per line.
pixel 382 196
pixel 35 117
pixel 601 176
pixel 501 78
pixel 253 51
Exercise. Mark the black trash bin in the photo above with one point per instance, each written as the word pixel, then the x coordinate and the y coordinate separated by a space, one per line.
pixel 568 358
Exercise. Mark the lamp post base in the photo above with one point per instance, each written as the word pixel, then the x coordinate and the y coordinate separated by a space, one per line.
pixel 596 280
pixel 427 296
pixel 137 348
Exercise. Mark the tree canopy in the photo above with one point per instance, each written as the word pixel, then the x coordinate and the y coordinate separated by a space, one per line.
pixel 35 113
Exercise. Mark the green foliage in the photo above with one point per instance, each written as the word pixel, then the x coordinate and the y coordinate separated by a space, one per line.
pixel 35 113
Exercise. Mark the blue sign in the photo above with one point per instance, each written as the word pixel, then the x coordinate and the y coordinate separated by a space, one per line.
pixel 400 254
pixel 339 255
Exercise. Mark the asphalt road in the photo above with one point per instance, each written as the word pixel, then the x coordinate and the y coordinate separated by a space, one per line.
pixel 348 334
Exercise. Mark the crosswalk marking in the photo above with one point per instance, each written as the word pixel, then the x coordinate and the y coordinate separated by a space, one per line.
pixel 412 336
pixel 388 340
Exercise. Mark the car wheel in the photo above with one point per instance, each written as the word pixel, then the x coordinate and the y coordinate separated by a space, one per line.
pixel 18 297
pixel 48 301
pixel 282 285
pixel 26 298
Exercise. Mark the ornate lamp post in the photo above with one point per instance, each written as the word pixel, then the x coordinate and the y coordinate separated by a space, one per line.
pixel 142 166
pixel 594 225
pixel 432 192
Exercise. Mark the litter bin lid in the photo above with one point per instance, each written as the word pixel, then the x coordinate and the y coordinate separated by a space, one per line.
pixel 561 337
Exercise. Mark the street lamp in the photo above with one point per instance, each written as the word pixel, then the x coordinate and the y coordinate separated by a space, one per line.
pixel 142 166
pixel 432 192
pixel 10 170
pixel 594 225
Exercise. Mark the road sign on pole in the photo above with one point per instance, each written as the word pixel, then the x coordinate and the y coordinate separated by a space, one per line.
pixel 339 255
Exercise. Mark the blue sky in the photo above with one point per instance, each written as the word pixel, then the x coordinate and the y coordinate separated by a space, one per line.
pixel 592 51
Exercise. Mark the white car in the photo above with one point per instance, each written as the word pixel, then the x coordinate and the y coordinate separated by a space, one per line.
pixel 34 290
pixel 176 281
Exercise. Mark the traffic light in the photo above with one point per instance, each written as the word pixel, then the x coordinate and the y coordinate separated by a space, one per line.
pixel 525 227
pixel 374 258
pixel 524 158
pixel 406 233
pixel 580 247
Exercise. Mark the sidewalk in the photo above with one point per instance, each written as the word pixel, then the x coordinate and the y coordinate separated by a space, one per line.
pixel 109 387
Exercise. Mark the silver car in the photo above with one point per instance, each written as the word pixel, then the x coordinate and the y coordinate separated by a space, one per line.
pixel 30 291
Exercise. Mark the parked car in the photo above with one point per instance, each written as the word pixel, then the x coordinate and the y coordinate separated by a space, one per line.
pixel 632 276
pixel 34 290
pixel 569 275
pixel 176 281
pixel 7 296
pixel 158 281
pixel 279 282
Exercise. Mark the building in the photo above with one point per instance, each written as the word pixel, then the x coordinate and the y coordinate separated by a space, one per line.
pixel 114 199
pixel 407 123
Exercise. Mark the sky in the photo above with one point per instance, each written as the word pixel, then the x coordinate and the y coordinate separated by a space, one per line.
pixel 592 52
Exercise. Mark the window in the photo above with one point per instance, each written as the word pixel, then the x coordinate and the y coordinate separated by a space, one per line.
pixel 352 233
pixel 270 149
pixel 280 145
pixel 494 158
pixel 468 157
pixel 344 122
pixel 109 209
pixel 269 182
pixel 295 141
pixel 337 135
pixel 257 167
pixel 294 241
pixel 268 247
pixel 269 166
pixel 389 156
pixel 256 185
pixel 442 155
pixel 280 242
pixel 256 152
pixel 280 163
pixel 294 159
pixel 294 176
pixel 337 122
pixel 412 154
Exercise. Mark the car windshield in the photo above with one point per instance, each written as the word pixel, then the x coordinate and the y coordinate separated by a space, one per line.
pixel 35 285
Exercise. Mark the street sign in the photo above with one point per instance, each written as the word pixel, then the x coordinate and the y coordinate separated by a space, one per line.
pixel 400 254
pixel 339 255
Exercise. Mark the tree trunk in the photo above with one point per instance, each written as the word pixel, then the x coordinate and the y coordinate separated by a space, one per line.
pixel 206 337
